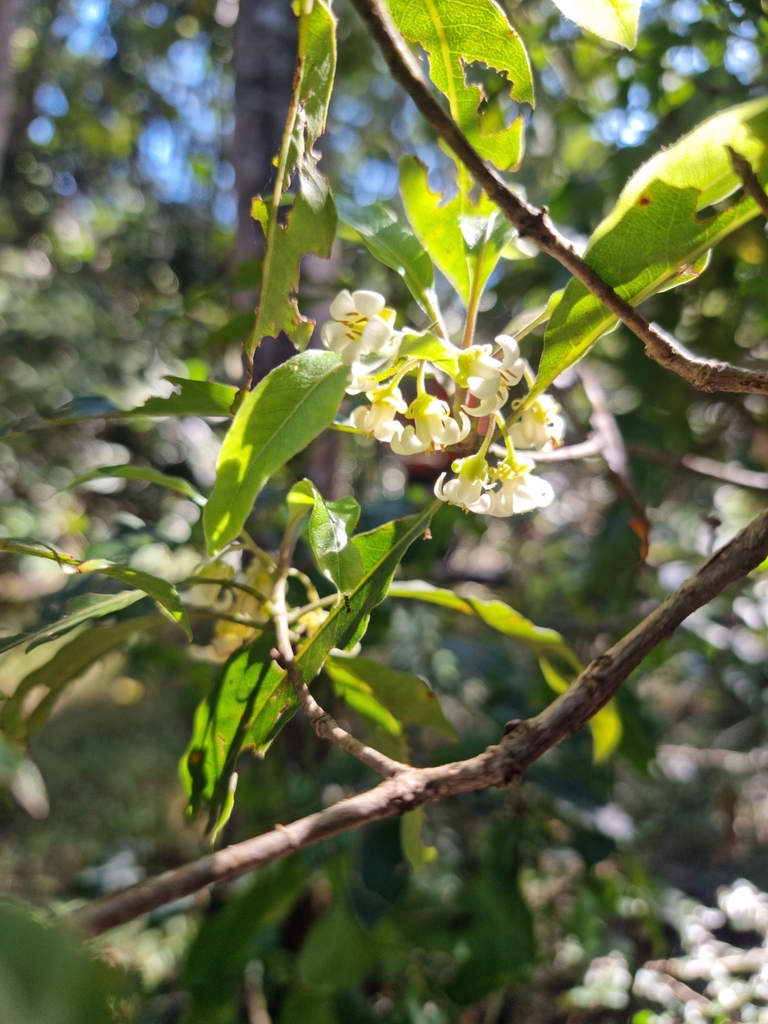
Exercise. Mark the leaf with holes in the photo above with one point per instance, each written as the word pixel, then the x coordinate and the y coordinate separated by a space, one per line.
pixel 456 35
pixel 660 228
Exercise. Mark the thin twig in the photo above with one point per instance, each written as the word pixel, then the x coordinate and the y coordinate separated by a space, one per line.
pixel 500 765
pixel 752 185
pixel 324 724
pixel 729 472
pixel 535 224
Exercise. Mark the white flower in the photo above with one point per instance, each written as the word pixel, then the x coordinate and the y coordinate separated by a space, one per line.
pixel 468 489
pixel 361 331
pixel 520 491
pixel 540 426
pixel 433 427
pixel 489 377
pixel 378 418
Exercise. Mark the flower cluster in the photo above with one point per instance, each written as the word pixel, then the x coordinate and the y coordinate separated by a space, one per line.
pixel 479 377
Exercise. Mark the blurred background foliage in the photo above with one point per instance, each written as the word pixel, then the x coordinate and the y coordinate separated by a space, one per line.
pixel 127 253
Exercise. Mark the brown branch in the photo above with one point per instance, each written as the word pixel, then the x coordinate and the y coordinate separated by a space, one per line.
pixel 752 185
pixel 500 765
pixel 324 724
pixel 535 224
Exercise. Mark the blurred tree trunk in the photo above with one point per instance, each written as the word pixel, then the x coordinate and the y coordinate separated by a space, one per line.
pixel 265 56
pixel 9 18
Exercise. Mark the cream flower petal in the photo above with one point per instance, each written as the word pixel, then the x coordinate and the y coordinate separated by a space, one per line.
pixel 407 443
pixel 368 303
pixel 343 305
pixel 376 334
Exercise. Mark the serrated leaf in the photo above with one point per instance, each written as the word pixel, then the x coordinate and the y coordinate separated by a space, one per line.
pixel 310 228
pixel 152 476
pixel 660 227
pixel 396 247
pixel 496 614
pixel 277 420
pixel 605 726
pixel 407 697
pixel 317 61
pixel 196 398
pixel 456 35
pixel 254 699
pixel 69 662
pixel 466 240
pixel 330 527
pixel 614 20
pixel 96 607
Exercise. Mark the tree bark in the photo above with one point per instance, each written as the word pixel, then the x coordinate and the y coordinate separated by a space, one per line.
pixel 9 19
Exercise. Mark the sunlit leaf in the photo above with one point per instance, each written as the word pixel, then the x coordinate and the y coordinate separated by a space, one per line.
pixel 605 726
pixel 159 589
pixel 195 398
pixel 291 406
pixel 416 853
pixel 660 228
pixel 406 696
pixel 396 247
pixel 614 20
pixel 147 473
pixel 330 527
pixel 456 35
pixel 310 227
pixel 465 239
pixel 496 614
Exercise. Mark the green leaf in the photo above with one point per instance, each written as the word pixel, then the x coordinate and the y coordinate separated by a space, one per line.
pixel 416 853
pixel 465 239
pixel 69 662
pixel 310 228
pixel 496 614
pixel 196 398
pixel 614 20
pixel 152 476
pixel 423 345
pixel 660 228
pixel 406 696
pixel 91 606
pixel 455 35
pixel 317 60
pixel 223 946
pixel 159 589
pixel 330 526
pixel 605 726
pixel 336 953
pixel 277 420
pixel 254 699
pixel 46 976
pixel 396 247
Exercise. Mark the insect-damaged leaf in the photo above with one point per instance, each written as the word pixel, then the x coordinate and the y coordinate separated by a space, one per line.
pixel 458 34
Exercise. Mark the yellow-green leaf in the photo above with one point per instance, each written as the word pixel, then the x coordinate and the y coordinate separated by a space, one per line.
pixel 614 20
pixel 605 726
